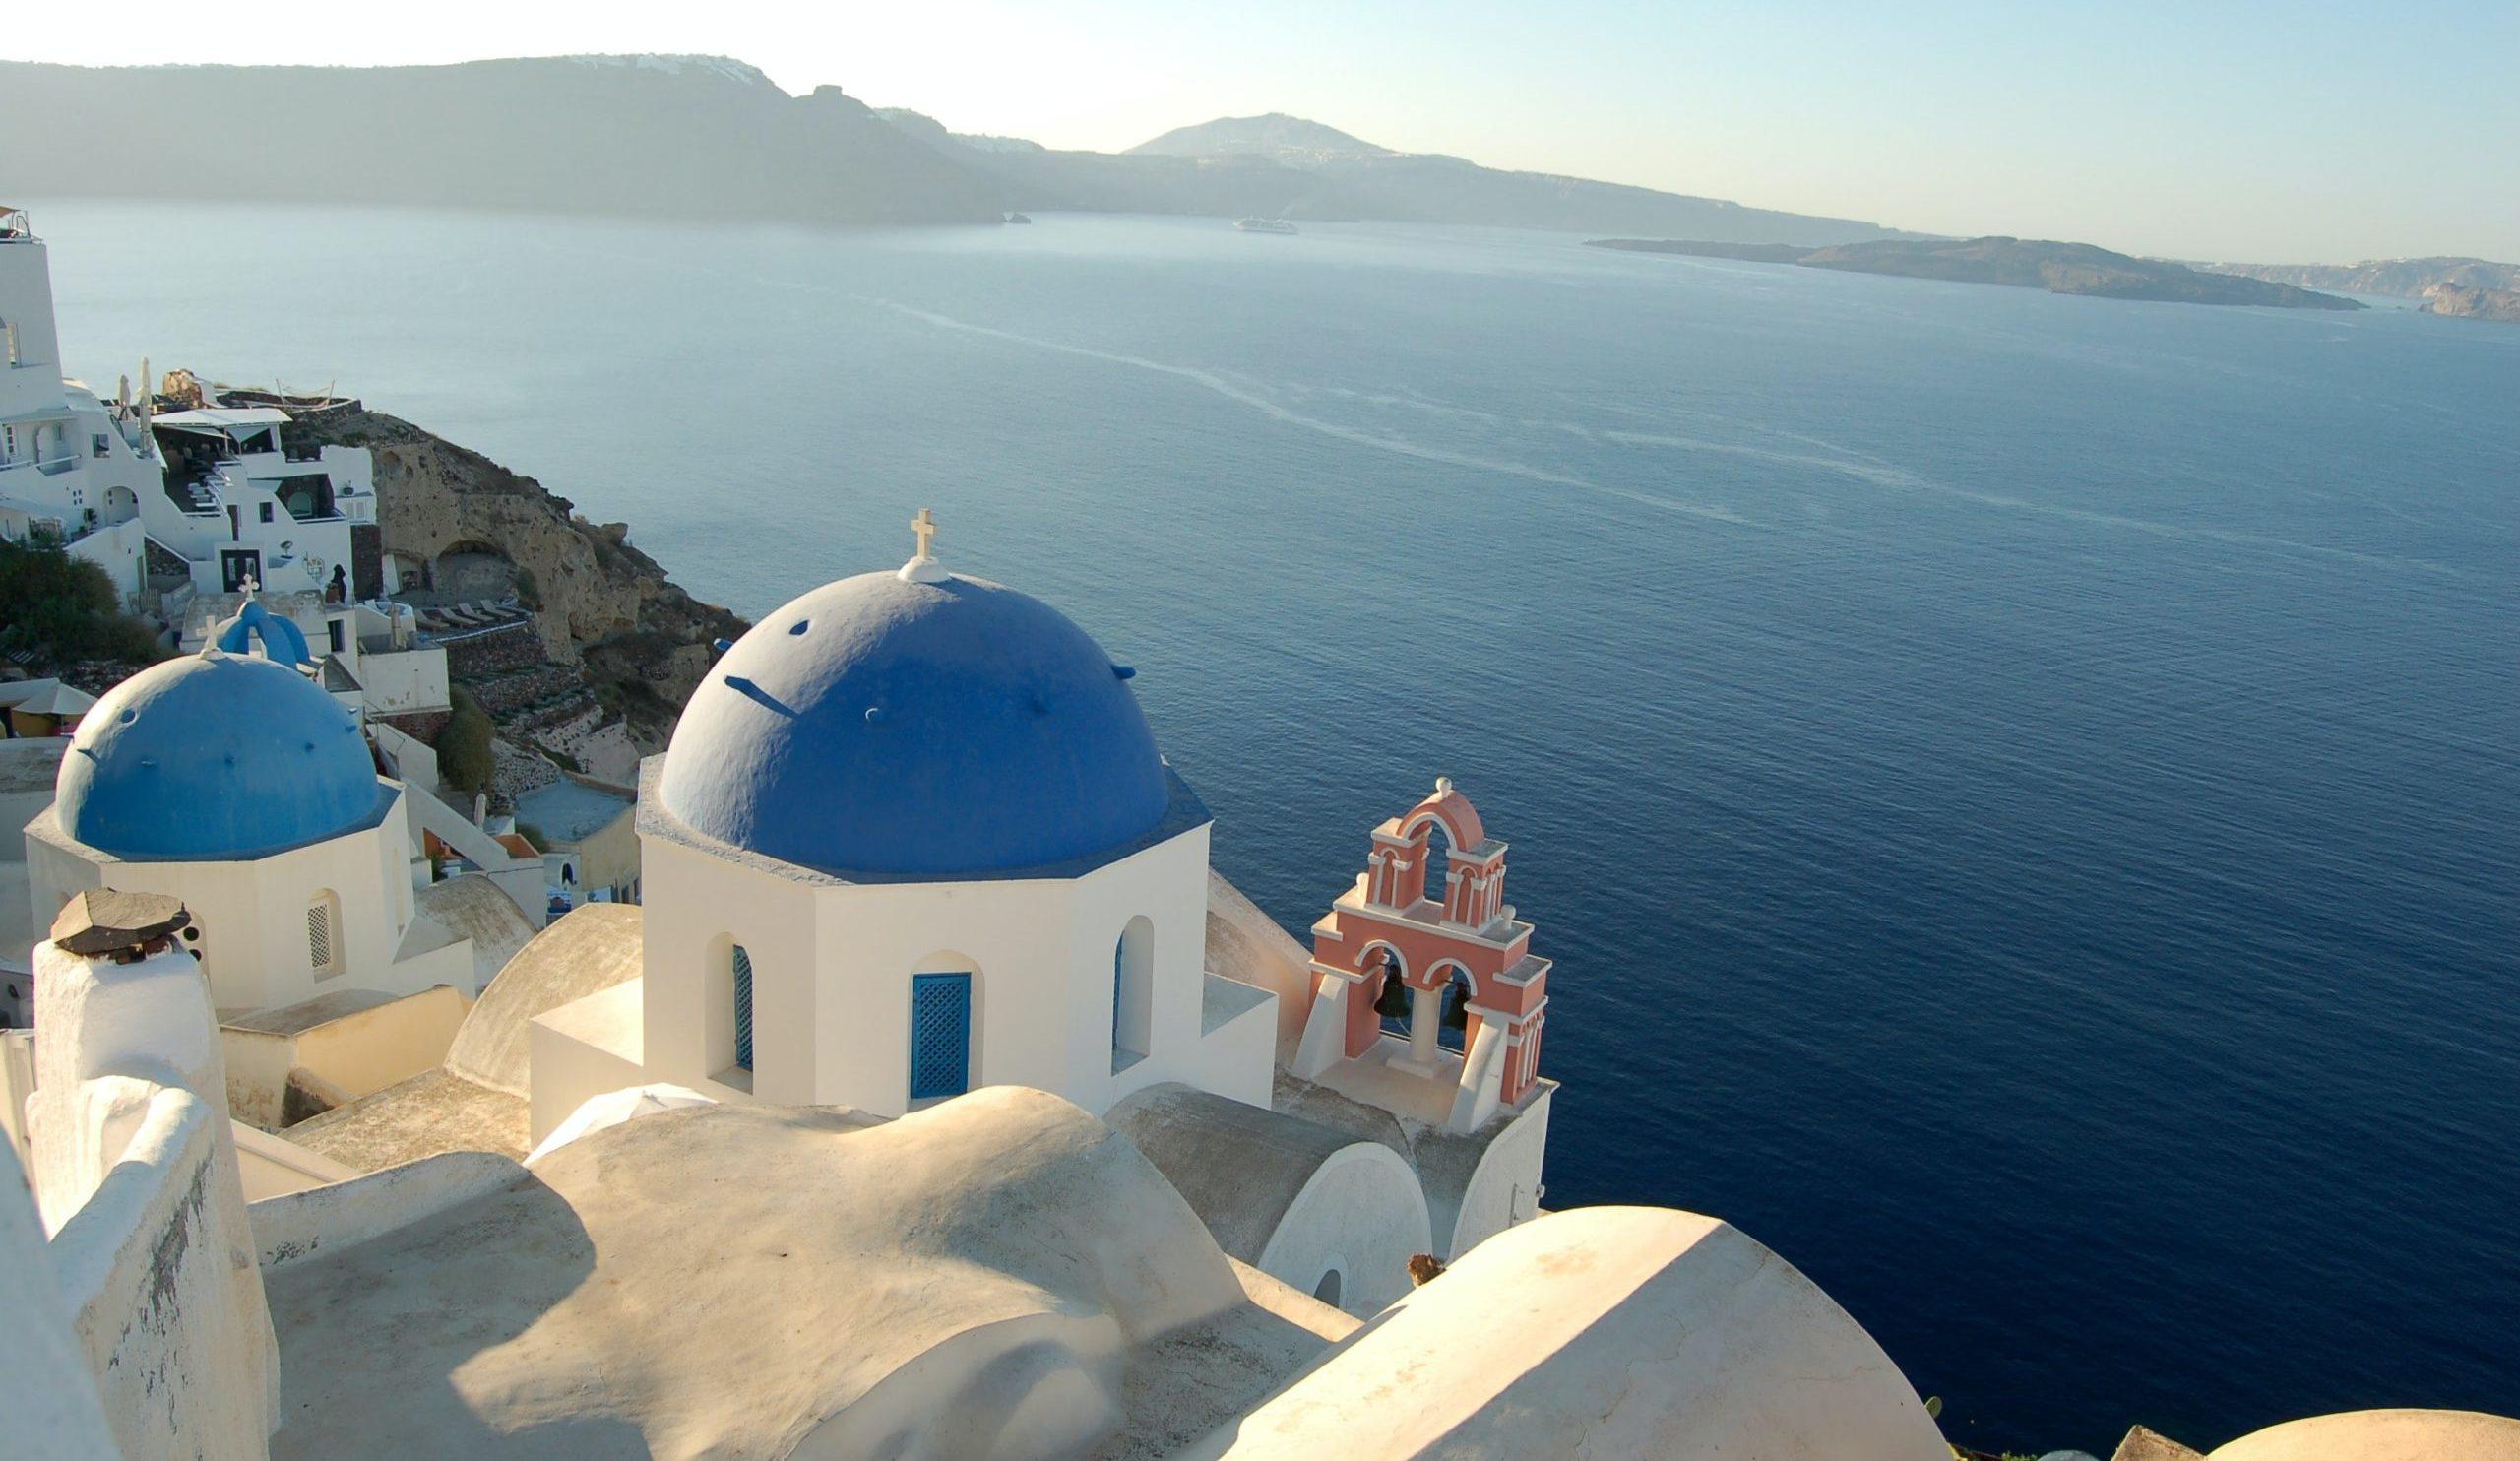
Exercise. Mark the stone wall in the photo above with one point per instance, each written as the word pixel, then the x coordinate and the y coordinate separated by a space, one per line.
pixel 513 690
pixel 487 651
pixel 422 725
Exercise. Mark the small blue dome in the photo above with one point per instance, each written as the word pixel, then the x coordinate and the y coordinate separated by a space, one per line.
pixel 282 639
pixel 879 725
pixel 212 758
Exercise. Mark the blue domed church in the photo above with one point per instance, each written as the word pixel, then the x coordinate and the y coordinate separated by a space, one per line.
pixel 231 780
pixel 912 836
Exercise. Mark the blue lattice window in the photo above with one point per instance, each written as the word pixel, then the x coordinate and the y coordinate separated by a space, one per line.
pixel 744 1008
pixel 940 1035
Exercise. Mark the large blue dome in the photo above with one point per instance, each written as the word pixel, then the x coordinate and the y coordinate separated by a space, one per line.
pixel 214 758
pixel 949 728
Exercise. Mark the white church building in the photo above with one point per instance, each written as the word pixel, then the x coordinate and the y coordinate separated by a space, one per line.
pixel 231 780
pixel 912 836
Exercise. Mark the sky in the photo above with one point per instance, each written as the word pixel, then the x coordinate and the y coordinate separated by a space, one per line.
pixel 2304 132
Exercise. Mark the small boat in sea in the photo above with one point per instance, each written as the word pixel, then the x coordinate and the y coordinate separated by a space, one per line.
pixel 1264 226
pixel 1017 218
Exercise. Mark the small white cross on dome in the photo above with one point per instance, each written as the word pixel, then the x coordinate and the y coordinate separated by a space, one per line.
pixel 922 568
pixel 250 585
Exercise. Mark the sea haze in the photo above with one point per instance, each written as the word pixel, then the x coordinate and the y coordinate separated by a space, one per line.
pixel 2019 790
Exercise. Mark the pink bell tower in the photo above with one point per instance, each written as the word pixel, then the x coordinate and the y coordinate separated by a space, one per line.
pixel 1428 928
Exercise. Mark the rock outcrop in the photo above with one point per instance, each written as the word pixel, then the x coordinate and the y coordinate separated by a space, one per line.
pixel 604 609
pixel 2473 303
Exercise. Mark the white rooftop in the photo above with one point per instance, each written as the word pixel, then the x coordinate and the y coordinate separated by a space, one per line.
pixel 225 417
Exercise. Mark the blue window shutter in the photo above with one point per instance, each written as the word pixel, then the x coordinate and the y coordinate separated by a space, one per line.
pixel 940 1035
pixel 744 1008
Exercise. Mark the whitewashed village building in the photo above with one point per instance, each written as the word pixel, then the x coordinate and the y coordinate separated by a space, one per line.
pixel 72 467
pixel 169 504
pixel 940 1103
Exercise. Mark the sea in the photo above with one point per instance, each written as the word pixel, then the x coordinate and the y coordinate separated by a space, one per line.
pixel 2019 791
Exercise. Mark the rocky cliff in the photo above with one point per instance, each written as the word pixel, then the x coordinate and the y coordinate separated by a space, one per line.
pixel 605 612
pixel 2473 303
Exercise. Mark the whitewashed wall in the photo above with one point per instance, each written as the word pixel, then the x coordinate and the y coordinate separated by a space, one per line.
pixel 251 915
pixel 833 962
pixel 136 1176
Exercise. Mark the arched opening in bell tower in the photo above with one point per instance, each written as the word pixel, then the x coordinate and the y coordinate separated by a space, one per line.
pixel 1452 1029
pixel 1439 861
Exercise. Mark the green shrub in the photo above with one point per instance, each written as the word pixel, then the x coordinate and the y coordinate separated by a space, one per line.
pixel 66 609
pixel 464 745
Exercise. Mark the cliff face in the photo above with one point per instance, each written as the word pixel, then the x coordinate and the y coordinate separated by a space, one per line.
pixel 2473 303
pixel 604 609
pixel 670 139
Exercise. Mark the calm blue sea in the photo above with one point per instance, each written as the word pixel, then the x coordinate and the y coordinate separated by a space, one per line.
pixel 2020 790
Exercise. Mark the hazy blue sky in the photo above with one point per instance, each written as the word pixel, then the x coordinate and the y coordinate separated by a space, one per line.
pixel 2308 131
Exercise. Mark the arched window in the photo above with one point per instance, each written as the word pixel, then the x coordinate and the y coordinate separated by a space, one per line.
pixel 324 935
pixel 743 961
pixel 1327 1291
pixel 1133 993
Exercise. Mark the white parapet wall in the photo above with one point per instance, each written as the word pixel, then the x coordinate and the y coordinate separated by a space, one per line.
pixel 136 1174
pixel 54 1412
pixel 404 682
pixel 352 1043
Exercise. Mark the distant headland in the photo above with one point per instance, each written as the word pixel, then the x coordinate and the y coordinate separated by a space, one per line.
pixel 702 138
pixel 2022 262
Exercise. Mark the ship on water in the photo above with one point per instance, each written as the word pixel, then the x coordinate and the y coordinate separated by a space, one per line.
pixel 1264 226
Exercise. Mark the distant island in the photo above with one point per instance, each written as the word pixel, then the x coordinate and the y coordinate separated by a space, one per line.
pixel 2021 262
pixel 1280 166
pixel 679 140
